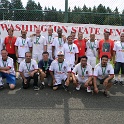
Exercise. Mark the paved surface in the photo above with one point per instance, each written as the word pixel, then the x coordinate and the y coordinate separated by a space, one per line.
pixel 59 107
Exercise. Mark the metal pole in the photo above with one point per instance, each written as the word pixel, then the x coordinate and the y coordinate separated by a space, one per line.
pixel 66 11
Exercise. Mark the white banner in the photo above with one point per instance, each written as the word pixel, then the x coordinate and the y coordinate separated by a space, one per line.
pixel 31 26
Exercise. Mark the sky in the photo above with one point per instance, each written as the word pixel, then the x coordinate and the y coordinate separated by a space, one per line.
pixel 60 4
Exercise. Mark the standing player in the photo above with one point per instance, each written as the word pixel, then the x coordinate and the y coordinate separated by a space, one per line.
pixel 49 40
pixel 71 52
pixel 28 69
pixel 81 44
pixel 103 74
pixel 7 70
pixel 57 44
pixel 82 74
pixel 60 71
pixel 38 45
pixel 9 43
pixel 73 34
pixel 106 46
pixel 119 61
pixel 22 45
pixel 91 52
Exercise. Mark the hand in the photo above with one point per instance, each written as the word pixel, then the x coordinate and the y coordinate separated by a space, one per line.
pixel 75 62
pixel 105 82
pixel 67 82
pixel 96 90
pixel 7 72
pixel 86 84
pixel 25 81
pixel 53 56
pixel 31 74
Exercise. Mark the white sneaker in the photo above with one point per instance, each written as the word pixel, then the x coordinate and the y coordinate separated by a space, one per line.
pixel 88 89
pixel 78 87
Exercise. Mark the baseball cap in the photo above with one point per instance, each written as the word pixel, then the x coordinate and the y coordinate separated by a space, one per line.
pixel 60 53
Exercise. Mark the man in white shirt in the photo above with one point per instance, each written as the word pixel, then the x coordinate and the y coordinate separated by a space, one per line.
pixel 60 71
pixel 118 59
pixel 103 74
pixel 7 70
pixel 28 69
pixel 91 52
pixel 22 45
pixel 57 44
pixel 1 45
pixel 82 74
pixel 49 40
pixel 71 52
pixel 38 45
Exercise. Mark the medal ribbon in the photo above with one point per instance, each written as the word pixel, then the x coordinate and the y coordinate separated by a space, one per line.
pixel 49 38
pixel 60 41
pixel 103 70
pixel 23 41
pixel 122 47
pixel 92 46
pixel 4 63
pixel 45 65
pixel 37 39
pixel 83 70
pixel 60 66
pixel 28 67
pixel 70 47
pixel 10 42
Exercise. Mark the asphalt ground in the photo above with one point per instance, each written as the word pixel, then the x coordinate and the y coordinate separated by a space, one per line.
pixel 46 106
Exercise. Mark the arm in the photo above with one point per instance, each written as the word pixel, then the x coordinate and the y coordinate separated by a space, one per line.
pixel 23 77
pixel 114 54
pixel 16 50
pixel 45 48
pixel 88 81
pixel 95 84
pixel 53 49
pixel 52 75
pixel 4 68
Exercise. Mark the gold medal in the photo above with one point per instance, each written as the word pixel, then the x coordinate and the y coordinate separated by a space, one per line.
pixel 82 77
pixel 10 46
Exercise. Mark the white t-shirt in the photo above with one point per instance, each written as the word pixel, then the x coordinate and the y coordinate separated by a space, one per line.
pixel 119 51
pixel 49 41
pixel 1 45
pixel 91 48
pixel 87 71
pixel 28 67
pixel 69 52
pixel 38 44
pixel 23 45
pixel 58 44
pixel 8 63
pixel 102 72
pixel 59 69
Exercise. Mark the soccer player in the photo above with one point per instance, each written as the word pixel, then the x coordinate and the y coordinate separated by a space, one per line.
pixel 103 74
pixel 38 45
pixel 28 69
pixel 81 44
pixel 118 59
pixel 105 46
pixel 43 66
pixel 82 74
pixel 9 43
pixel 73 34
pixel 91 52
pixel 57 44
pixel 60 71
pixel 71 52
pixel 7 70
pixel 22 45
pixel 49 40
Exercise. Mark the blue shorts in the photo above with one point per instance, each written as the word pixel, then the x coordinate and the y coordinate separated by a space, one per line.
pixel 11 79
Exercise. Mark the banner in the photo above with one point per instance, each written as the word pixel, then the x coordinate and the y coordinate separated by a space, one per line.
pixel 87 29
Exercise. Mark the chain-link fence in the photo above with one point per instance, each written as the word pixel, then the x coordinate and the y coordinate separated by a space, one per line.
pixel 98 15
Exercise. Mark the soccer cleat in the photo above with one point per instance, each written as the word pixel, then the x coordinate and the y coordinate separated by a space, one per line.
pixel 106 94
pixel 121 83
pixel 115 82
pixel 78 87
pixel 36 88
pixel 88 89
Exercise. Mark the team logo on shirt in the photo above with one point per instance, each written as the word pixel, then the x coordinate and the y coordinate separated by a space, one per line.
pixel 108 71
pixel 64 68
pixel 86 72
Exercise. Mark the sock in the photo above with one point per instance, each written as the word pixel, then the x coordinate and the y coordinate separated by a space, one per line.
pixel 43 83
pixel 116 77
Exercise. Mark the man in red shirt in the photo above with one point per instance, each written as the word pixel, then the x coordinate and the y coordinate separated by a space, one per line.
pixel 105 46
pixel 81 44
pixel 9 43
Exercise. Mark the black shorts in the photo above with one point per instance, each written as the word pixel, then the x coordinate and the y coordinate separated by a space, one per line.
pixel 13 56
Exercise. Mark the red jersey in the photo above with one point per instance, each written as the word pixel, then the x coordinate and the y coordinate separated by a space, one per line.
pixel 81 44
pixel 106 48
pixel 10 44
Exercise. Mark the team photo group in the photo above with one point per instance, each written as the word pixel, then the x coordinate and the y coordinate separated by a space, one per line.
pixel 55 60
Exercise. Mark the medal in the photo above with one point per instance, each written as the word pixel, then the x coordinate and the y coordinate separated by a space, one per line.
pixel 83 71
pixel 60 66
pixel 70 48
pixel 92 46
pixel 82 77
pixel 45 63
pixel 103 71
pixel 28 67
pixel 10 46
pixel 60 42
pixel 37 39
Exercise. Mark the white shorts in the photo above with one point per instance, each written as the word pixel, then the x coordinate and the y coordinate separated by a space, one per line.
pixel 92 61
pixel 20 59
pixel 37 57
pixel 80 80
pixel 60 79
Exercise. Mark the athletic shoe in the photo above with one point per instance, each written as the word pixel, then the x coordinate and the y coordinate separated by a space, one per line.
pixel 1 87
pixel 106 94
pixel 42 86
pixel 78 87
pixel 121 83
pixel 36 88
pixel 88 89
pixel 115 82
pixel 65 88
